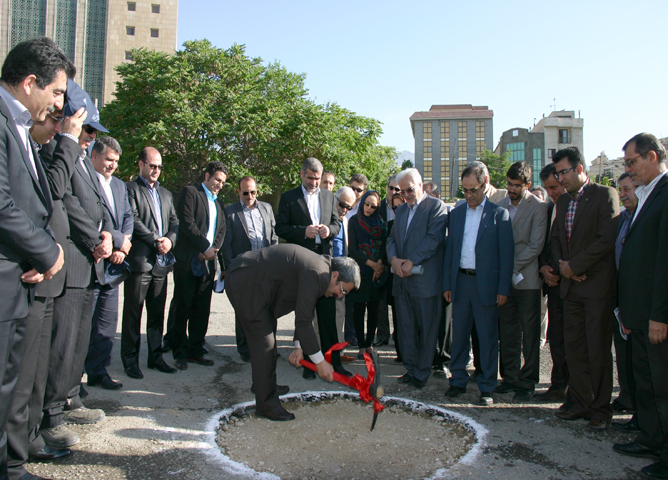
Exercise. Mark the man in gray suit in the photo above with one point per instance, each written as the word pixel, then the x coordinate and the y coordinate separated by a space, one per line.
pixel 519 318
pixel 417 240
pixel 250 226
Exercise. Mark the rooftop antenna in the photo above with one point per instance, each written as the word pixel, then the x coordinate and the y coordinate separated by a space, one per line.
pixel 554 107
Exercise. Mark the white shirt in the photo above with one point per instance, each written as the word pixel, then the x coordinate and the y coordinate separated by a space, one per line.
pixel 412 209
pixel 106 188
pixel 471 226
pixel 313 204
pixel 21 117
pixel 644 191
pixel 354 210
pixel 389 212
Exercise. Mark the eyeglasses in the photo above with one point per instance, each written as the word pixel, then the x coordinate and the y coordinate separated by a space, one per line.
pixel 372 207
pixel 472 191
pixel 629 163
pixel 343 292
pixel 562 172
pixel 89 130
pixel 153 166
pixel 408 190
pixel 514 186
pixel 357 189
pixel 252 193
pixel 394 189
pixel 344 206
pixel 56 119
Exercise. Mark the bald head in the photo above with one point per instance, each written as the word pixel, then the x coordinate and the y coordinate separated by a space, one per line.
pixel 150 164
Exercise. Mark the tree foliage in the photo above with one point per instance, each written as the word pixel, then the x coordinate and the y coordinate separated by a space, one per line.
pixel 406 164
pixel 204 103
pixel 498 166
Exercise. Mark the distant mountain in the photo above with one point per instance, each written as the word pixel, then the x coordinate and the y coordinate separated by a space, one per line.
pixel 405 155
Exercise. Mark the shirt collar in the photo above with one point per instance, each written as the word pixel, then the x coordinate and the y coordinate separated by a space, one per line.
pixel 209 195
pixel 479 207
pixel 146 184
pixel 582 189
pixel 19 112
pixel 103 178
pixel 419 200
pixel 306 192
pixel 245 208
pixel 650 186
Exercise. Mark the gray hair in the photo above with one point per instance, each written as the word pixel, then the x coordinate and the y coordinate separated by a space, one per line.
pixel 102 143
pixel 313 164
pixel 389 180
pixel 478 169
pixel 410 172
pixel 538 188
pixel 348 270
pixel 344 190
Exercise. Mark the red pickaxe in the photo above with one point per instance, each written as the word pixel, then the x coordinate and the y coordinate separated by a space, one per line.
pixel 370 388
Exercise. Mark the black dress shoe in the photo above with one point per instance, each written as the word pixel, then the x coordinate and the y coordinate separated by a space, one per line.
pixel 417 383
pixel 486 399
pixel 522 395
pixel 380 343
pixel 570 416
pixel 104 381
pixel 506 387
pixel 281 389
pixel 629 427
pixel 162 367
pixel 47 454
pixel 133 372
pixel 566 406
pixel 618 407
pixel 279 414
pixel 181 364
pixel 405 378
pixel 201 360
pixel 308 374
pixel 245 358
pixel 454 392
pixel 551 395
pixel 635 449
pixel 656 470
pixel 342 371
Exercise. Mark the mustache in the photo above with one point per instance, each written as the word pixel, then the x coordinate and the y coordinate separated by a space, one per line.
pixel 623 199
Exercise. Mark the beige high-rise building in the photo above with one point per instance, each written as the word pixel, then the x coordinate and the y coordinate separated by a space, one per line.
pixel 96 34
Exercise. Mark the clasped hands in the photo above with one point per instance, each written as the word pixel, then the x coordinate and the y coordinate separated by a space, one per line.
pixel 313 230
pixel 567 272
pixel 401 266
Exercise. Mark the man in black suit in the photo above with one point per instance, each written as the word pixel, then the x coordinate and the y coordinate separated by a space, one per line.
pixel 104 157
pixel 33 81
pixel 555 329
pixel 250 225
pixel 307 216
pixel 201 233
pixel 154 235
pixel 643 301
pixel 90 230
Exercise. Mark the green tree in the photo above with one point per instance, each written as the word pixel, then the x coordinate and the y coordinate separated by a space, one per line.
pixel 498 166
pixel 406 164
pixel 204 103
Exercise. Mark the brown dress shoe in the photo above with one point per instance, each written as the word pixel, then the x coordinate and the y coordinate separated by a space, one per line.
pixel 595 424
pixel 570 415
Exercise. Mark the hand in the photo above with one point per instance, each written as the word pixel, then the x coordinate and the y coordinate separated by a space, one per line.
pixel 406 268
pixel 127 245
pixel 32 276
pixel 104 249
pixel 312 231
pixel 581 278
pixel 117 257
pixel 625 330
pixel 325 370
pixel 565 269
pixel 551 278
pixel 48 275
pixel 377 267
pixel 448 296
pixel 657 332
pixel 396 263
pixel 164 245
pixel 296 356
pixel 73 124
pixel 324 231
pixel 501 300
pixel 210 254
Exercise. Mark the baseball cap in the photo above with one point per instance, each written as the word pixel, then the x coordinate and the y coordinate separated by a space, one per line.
pixel 77 98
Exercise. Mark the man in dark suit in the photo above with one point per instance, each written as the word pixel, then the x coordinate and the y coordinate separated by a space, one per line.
pixel 104 157
pixel 643 301
pixel 154 236
pixel 201 233
pixel 583 243
pixel 555 329
pixel 417 239
pixel 519 318
pixel 250 225
pixel 33 81
pixel 477 271
pixel 266 284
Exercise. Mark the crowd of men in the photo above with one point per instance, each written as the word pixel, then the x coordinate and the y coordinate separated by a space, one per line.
pixel 468 279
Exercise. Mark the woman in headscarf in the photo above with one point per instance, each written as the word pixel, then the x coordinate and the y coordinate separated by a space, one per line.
pixel 366 245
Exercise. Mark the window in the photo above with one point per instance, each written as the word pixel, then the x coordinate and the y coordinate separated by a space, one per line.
pixel 445 131
pixel 426 130
pixel 132 7
pixel 516 133
pixel 128 56
pixel 537 165
pixel 130 30
pixel 155 33
pixel 427 170
pixel 551 152
pixel 461 130
pixel 426 149
pixel 479 139
pixel 462 150
pixel 563 135
pixel 445 150
pixel 517 151
pixel 155 8
pixel 445 179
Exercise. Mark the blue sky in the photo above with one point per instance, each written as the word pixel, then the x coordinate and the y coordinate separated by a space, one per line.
pixel 389 59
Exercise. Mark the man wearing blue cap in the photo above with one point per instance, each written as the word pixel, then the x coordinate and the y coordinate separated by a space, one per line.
pixel 91 228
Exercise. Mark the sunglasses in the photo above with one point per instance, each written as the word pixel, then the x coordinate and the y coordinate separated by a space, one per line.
pixel 357 189
pixel 153 166
pixel 345 207
pixel 394 189
pixel 252 193
pixel 89 130
pixel 372 207
pixel 408 190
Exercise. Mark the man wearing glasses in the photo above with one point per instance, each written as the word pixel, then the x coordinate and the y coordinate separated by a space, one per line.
pixel 358 183
pixel 154 236
pixel 519 318
pixel 583 251
pixel 250 226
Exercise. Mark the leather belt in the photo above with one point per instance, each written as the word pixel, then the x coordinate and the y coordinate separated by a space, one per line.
pixel 467 271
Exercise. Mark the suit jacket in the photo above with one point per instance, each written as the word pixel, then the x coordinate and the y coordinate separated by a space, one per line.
pixel 293 218
pixel 146 233
pixel 644 263
pixel 123 219
pixel 192 210
pixel 423 245
pixel 59 174
pixel 529 236
pixel 237 240
pixel 282 278
pixel 592 246
pixel 25 210
pixel 493 252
